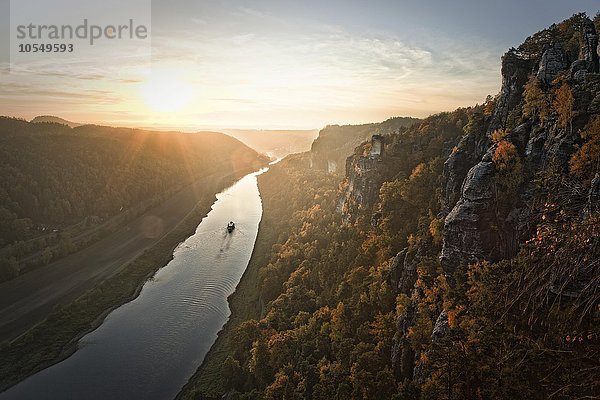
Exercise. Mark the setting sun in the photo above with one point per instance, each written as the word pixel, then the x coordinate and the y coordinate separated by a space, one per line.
pixel 166 92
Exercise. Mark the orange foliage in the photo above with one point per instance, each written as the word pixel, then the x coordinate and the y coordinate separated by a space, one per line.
pixel 505 155
pixel 489 106
pixel 417 171
pixel 536 101
pixel 509 166
pixel 563 104
pixel 498 135
pixel 585 163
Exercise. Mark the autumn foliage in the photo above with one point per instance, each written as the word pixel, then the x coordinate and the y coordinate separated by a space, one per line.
pixel 508 165
pixel 585 163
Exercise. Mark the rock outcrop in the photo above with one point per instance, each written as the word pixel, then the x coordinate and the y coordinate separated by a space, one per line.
pixel 480 221
pixel 466 154
pixel 363 179
pixel 403 272
pixel 475 229
pixel 403 357
pixel 578 70
pixel 554 61
pixel 516 67
pixel 334 143
pixel 441 327
pixel 590 46
pixel 469 231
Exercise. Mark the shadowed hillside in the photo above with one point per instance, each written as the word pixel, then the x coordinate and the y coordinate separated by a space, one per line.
pixel 62 187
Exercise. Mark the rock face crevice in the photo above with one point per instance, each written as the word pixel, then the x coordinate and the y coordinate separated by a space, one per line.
pixel 466 154
pixel 473 228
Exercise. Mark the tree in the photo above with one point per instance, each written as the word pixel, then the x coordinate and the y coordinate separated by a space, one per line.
pixel 536 101
pixel 232 373
pixel 258 364
pixel 489 106
pixel 563 104
pixel 585 163
pixel 475 122
pixel 508 166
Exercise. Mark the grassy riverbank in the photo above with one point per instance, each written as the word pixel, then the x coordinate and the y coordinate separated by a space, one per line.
pixel 56 338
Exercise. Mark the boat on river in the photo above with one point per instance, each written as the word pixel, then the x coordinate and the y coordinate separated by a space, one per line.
pixel 230 226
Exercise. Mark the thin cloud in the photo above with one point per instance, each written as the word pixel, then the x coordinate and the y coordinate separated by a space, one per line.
pixel 311 76
pixel 253 12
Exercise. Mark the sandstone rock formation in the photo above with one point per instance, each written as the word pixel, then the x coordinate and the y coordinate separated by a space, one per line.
pixel 363 179
pixel 590 47
pixel 516 67
pixel 466 154
pixel 474 228
pixel 554 61
pixel 403 272
pixel 469 231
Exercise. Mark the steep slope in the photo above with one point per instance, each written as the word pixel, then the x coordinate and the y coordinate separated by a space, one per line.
pixel 458 259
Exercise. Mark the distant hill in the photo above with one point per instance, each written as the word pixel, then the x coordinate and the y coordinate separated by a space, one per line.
pixel 55 120
pixel 55 177
pixel 336 142
pixel 275 143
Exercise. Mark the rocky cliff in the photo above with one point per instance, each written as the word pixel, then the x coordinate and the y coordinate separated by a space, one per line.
pixel 476 228
pixel 363 178
pixel 492 170
pixel 335 142
pixel 466 264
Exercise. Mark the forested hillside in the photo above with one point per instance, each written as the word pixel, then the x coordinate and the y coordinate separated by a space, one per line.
pixel 335 142
pixel 473 272
pixel 59 183
pixel 56 120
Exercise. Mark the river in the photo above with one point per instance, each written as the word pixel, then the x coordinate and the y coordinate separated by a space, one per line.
pixel 150 347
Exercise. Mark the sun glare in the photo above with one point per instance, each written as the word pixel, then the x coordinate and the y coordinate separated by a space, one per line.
pixel 166 92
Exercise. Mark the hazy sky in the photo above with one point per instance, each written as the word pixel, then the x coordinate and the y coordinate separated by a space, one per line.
pixel 288 64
